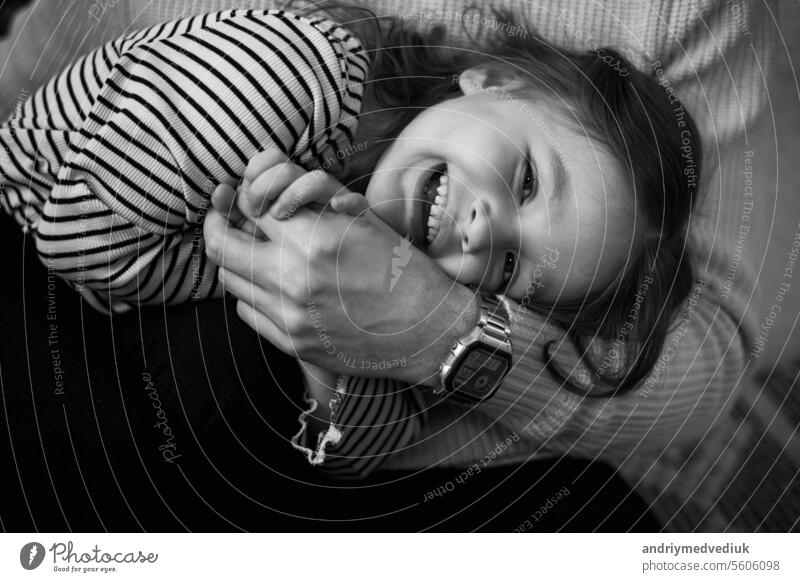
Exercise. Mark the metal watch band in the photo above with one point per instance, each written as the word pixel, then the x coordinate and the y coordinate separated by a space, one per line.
pixel 492 330
pixel 494 326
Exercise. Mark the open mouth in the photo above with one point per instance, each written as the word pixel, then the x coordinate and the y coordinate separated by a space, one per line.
pixel 433 196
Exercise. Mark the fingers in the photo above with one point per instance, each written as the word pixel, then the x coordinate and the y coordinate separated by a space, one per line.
pixel 263 309
pixel 268 186
pixel 263 161
pixel 315 186
pixel 230 247
pixel 224 200
pixel 230 201
pixel 264 327
pixel 258 165
pixel 272 182
pixel 351 203
pixel 242 286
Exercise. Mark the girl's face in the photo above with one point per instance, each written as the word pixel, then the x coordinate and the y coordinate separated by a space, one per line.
pixel 528 206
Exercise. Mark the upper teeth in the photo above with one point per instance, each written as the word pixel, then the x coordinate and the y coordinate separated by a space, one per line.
pixel 437 209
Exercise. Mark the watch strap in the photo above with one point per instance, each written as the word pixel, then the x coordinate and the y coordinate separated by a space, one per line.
pixel 492 331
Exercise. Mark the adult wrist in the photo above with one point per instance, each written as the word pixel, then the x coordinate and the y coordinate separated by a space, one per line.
pixel 454 319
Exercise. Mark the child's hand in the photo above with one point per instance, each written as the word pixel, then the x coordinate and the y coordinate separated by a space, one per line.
pixel 272 182
pixel 224 201
pixel 315 188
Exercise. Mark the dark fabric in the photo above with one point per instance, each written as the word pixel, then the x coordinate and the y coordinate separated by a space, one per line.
pixel 86 399
pixel 8 8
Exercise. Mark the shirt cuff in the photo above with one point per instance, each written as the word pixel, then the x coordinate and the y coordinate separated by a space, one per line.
pixel 330 436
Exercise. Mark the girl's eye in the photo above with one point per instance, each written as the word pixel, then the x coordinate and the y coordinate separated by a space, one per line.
pixel 509 264
pixel 530 185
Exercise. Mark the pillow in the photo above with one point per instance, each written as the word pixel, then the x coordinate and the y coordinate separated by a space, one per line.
pixel 47 36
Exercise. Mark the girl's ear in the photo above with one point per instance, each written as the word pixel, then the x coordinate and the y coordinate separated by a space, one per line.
pixel 482 79
pixel 473 80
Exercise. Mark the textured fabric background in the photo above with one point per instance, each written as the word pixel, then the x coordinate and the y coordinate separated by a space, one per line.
pixel 52 32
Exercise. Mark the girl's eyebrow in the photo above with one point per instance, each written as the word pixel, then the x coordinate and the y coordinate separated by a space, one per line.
pixel 560 176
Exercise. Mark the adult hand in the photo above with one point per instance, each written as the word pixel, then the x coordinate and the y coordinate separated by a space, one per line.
pixel 346 293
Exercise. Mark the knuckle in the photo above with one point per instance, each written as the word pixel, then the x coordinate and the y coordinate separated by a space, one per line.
pixel 295 192
pixel 295 324
pixel 291 171
pixel 320 246
pixel 301 180
pixel 295 329
pixel 294 288
pixel 274 182
pixel 313 287
pixel 253 203
pixel 312 181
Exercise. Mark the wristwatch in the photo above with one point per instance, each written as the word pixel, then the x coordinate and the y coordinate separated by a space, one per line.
pixel 478 362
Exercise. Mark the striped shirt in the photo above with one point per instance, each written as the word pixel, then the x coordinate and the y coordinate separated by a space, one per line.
pixel 112 163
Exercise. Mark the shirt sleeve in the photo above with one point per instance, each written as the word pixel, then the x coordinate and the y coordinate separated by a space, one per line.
pixel 183 108
pixel 371 419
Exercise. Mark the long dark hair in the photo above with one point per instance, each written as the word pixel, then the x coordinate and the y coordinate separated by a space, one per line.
pixel 637 119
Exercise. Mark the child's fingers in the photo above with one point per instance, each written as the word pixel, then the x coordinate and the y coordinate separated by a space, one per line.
pixel 315 186
pixel 223 199
pixel 268 186
pixel 351 203
pixel 263 161
pixel 256 166
pixel 250 226
pixel 307 188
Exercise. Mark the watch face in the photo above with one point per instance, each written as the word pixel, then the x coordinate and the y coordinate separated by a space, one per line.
pixel 478 372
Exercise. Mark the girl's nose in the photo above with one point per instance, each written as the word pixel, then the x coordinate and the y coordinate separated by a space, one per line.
pixel 480 228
